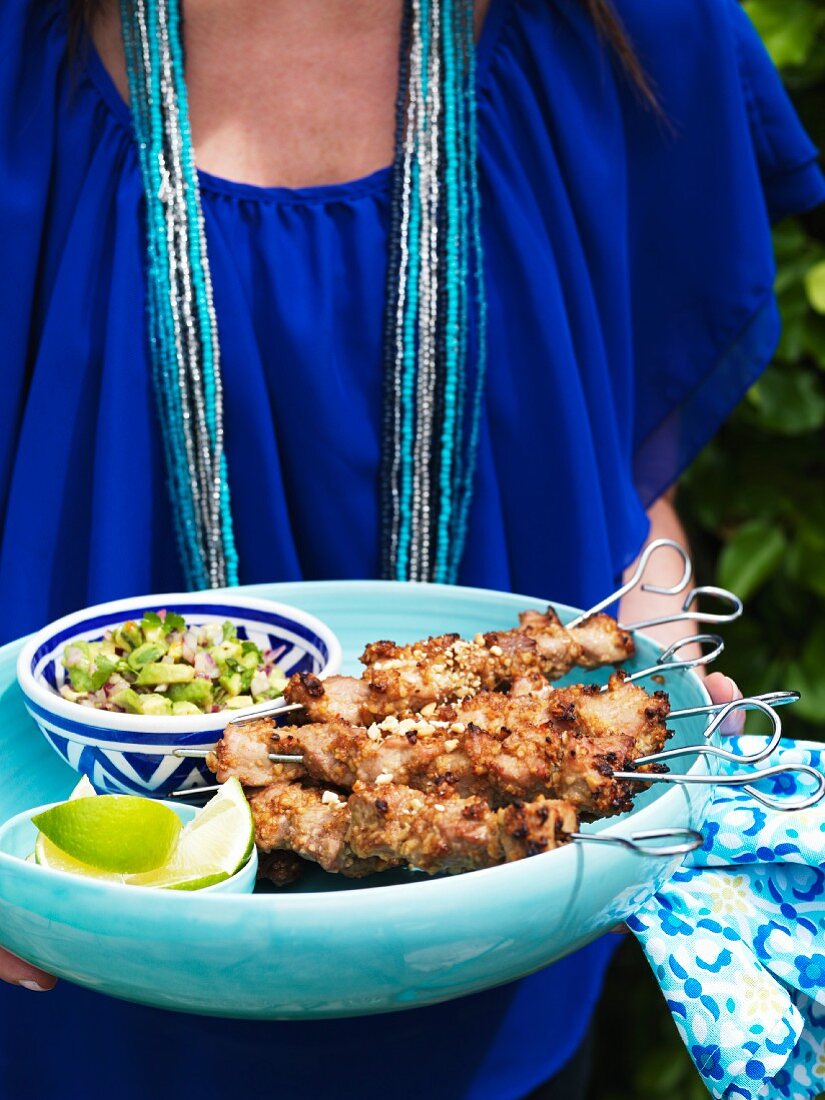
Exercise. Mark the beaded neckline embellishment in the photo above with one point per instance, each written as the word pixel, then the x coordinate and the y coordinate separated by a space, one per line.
pixel 434 347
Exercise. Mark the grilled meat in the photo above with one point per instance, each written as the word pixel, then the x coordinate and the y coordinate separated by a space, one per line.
pixel 566 744
pixel 313 824
pixel 406 679
pixel 280 868
pixel 437 833
pixel 243 751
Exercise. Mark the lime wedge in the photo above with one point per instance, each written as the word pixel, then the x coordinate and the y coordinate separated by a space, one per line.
pixel 193 878
pixel 217 841
pixel 112 832
pixel 49 855
pixel 84 789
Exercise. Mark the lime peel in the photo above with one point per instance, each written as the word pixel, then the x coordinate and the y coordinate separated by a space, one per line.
pixel 212 847
pixel 112 832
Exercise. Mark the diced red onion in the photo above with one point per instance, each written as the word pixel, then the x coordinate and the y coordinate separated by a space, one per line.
pixel 205 666
pixel 73 656
pixel 190 646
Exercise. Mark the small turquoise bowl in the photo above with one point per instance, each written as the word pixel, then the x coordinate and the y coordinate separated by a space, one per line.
pixel 18 836
pixel 132 753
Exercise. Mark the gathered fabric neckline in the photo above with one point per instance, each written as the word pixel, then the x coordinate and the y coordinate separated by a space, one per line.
pixel 370 184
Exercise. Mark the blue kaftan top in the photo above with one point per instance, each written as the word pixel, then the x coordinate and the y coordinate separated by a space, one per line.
pixel 629 276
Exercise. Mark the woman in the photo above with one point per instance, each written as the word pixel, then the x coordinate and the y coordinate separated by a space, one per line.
pixel 625 203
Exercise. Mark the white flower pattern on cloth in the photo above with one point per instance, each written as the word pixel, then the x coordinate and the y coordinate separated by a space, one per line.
pixel 736 939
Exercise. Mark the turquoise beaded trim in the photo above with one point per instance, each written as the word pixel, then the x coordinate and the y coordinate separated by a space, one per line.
pixel 434 388
pixel 183 339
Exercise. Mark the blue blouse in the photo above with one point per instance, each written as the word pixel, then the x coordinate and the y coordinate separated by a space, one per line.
pixel 629 275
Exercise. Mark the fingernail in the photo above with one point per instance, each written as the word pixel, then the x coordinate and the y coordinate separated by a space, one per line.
pixel 32 985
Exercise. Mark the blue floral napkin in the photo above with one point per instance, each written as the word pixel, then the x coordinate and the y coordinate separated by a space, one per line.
pixel 736 939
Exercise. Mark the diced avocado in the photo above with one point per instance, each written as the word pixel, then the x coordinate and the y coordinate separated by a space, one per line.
pixel 226 651
pixel 175 651
pixel 250 656
pixel 81 679
pixel 198 692
pixel 129 700
pixel 145 654
pixel 155 704
pixel 130 635
pixel 231 683
pixel 238 701
pixel 185 708
pixel 102 672
pixel 230 634
pixel 164 674
pixel 277 679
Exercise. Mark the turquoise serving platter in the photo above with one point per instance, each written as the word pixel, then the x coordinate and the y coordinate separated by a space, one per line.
pixel 327 946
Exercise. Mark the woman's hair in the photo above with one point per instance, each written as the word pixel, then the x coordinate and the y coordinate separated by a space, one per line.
pixel 602 13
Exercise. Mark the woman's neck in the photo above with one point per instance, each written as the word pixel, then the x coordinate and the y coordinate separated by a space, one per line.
pixel 283 93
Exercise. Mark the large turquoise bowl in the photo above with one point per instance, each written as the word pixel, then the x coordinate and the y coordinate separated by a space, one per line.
pixel 329 947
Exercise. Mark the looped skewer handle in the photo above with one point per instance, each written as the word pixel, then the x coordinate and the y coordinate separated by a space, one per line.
pixel 686 615
pixel 772 698
pixel 724 754
pixel 746 783
pixel 667 664
pixel 635 842
pixel 648 552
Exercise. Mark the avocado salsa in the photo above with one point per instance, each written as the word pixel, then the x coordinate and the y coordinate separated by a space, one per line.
pixel 162 666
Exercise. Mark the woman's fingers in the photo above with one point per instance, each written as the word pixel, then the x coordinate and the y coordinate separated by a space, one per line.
pixel 21 973
pixel 723 690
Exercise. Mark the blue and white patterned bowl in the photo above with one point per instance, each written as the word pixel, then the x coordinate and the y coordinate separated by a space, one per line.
pixel 131 753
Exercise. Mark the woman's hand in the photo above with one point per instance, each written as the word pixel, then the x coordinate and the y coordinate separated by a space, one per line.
pixel 21 973
pixel 722 689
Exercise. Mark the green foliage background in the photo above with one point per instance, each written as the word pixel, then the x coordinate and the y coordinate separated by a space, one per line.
pixel 754 505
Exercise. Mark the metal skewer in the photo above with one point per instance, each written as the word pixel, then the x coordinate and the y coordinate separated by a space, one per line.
pixel 635 842
pixel 724 754
pixel 772 698
pixel 686 614
pixel 746 782
pixel 264 712
pixel 721 711
pixel 648 552
pixel 668 664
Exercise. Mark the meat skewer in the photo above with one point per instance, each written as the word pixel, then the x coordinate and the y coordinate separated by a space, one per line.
pixel 378 828
pixel 401 679
pixel 358 702
pixel 405 678
pixel 566 745
pixel 511 765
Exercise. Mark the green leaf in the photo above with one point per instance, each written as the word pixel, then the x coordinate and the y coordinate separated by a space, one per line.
pixel 787 27
pixel 806 566
pixel 751 557
pixel 789 401
pixel 173 621
pixel 789 239
pixel 807 675
pixel 815 286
